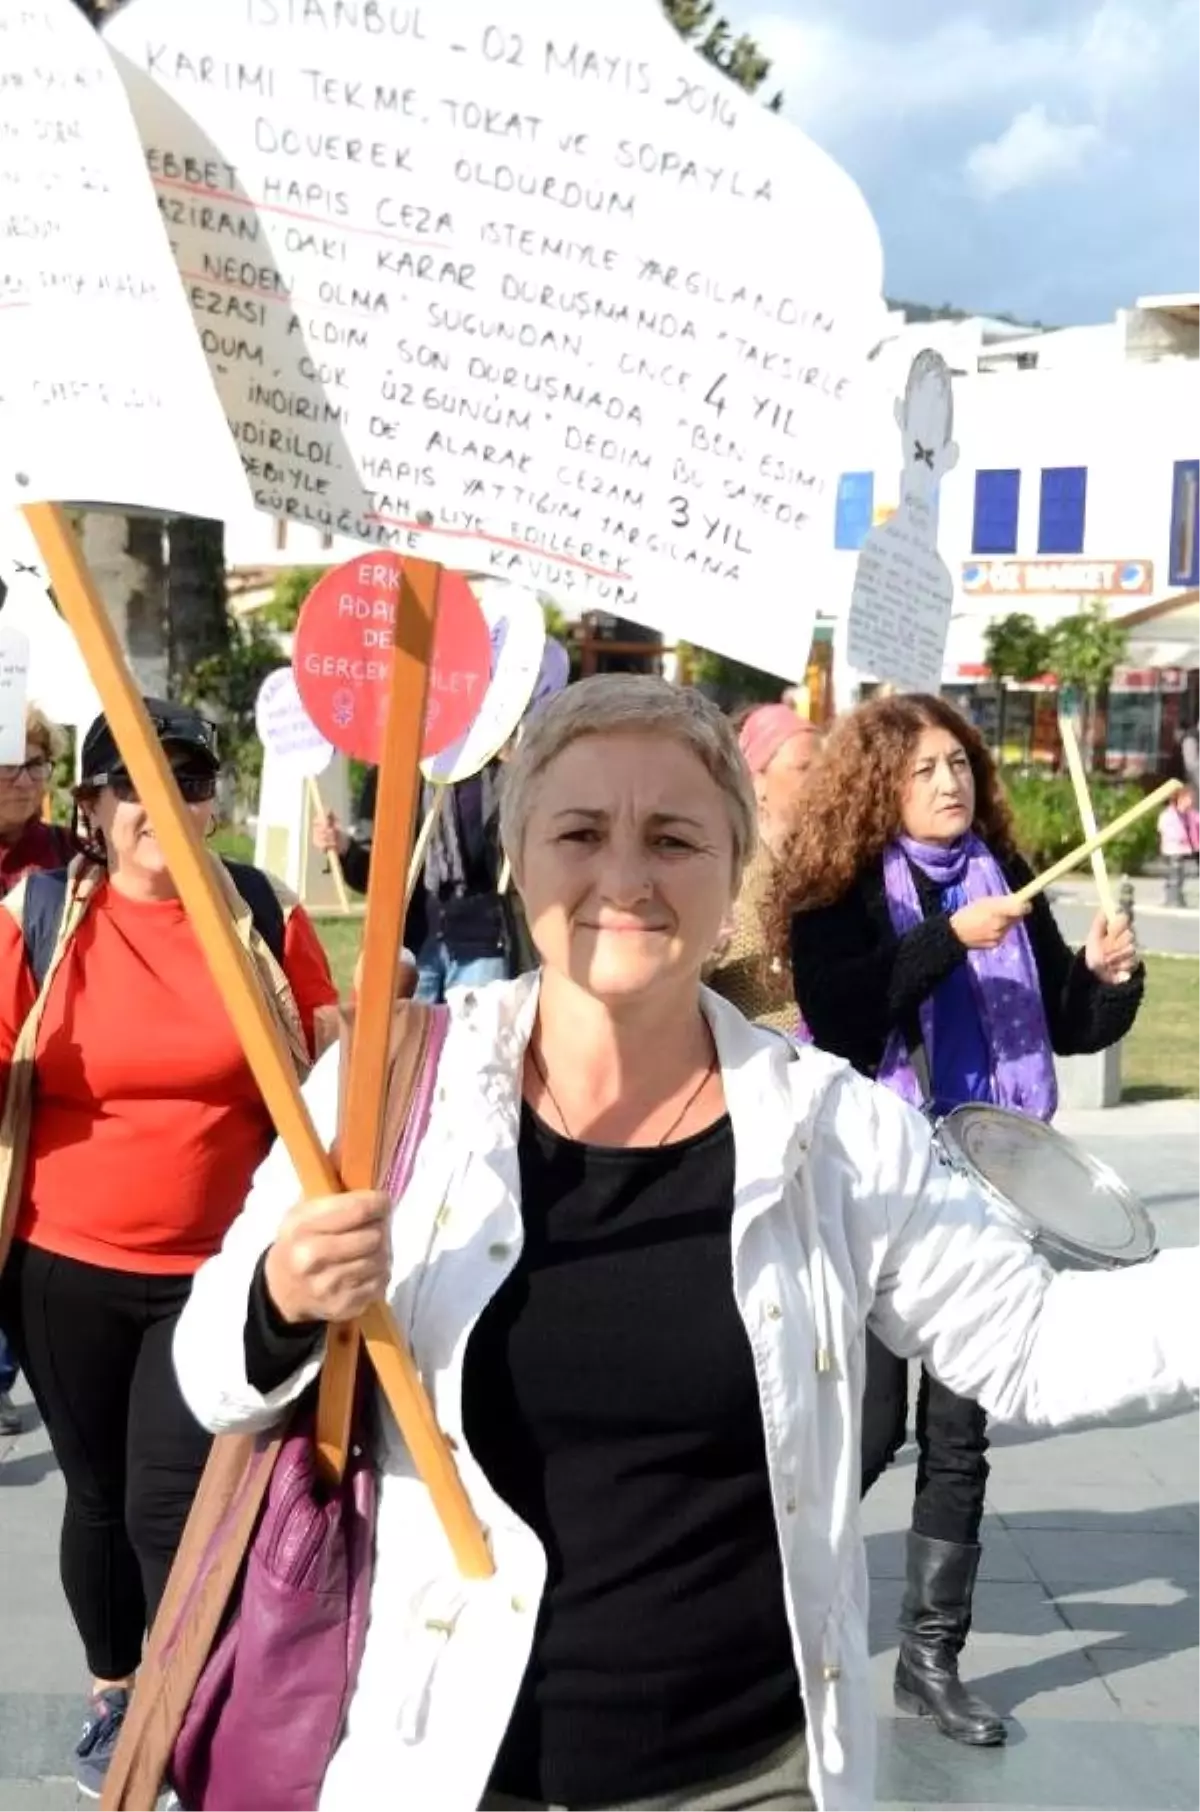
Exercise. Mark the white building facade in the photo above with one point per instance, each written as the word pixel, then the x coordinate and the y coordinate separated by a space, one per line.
pixel 1078 478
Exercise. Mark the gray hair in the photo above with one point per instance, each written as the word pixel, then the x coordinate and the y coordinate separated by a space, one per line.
pixel 615 704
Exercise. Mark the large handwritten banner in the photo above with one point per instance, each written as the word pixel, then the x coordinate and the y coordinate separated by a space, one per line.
pixel 104 394
pixel 527 288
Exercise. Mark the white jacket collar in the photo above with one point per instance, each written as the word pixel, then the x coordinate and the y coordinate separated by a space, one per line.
pixel 773 1089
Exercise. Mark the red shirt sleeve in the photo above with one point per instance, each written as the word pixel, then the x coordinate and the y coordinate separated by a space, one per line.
pixel 17 990
pixel 307 969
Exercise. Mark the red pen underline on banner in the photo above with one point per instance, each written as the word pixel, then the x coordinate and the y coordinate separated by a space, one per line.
pixel 518 546
pixel 274 207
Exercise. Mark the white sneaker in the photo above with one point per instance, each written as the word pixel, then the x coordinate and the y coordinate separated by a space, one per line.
pixel 10 1415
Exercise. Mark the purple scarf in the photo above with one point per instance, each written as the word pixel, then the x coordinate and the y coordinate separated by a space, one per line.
pixel 1004 981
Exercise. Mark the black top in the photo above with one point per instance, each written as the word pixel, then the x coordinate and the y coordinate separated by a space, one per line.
pixel 609 1394
pixel 856 981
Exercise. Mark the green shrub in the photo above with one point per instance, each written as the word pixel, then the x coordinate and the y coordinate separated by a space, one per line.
pixel 1047 821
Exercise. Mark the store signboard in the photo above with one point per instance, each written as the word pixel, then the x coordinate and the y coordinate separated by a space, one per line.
pixel 1045 578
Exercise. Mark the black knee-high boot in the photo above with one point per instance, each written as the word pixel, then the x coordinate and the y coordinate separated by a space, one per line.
pixel 935 1620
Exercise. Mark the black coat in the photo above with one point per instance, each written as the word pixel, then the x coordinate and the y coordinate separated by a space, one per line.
pixel 856 981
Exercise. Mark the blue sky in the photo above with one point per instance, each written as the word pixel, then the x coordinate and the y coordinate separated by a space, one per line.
pixel 1037 156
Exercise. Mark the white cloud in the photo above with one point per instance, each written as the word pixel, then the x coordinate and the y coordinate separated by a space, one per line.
pixel 1033 149
pixel 840 81
pixel 933 108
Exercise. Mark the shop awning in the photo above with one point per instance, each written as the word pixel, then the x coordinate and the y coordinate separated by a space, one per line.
pixel 1145 653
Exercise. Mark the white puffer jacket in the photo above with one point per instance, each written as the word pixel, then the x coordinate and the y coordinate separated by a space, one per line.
pixel 842 1213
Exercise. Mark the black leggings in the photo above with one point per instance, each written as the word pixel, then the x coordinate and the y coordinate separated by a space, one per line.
pixel 95 1345
pixel 952 1444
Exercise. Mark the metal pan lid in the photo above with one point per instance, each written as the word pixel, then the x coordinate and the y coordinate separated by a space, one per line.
pixel 1062 1195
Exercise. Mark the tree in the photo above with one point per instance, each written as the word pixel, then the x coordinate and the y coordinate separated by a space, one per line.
pixel 292 586
pixel 1014 648
pixel 127 559
pixel 225 686
pixel 727 682
pixel 738 58
pixel 197 605
pixel 1084 650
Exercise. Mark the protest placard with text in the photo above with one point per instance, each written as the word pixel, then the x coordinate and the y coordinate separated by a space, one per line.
pixel 535 291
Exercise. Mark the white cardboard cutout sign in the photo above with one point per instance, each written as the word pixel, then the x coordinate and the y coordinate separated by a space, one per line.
pixel 58 677
pixel 14 692
pixel 283 842
pixel 518 630
pixel 286 731
pixel 903 591
pixel 531 289
pixel 104 392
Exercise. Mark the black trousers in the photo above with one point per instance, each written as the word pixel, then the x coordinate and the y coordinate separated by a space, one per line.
pixel 952 1444
pixel 95 1345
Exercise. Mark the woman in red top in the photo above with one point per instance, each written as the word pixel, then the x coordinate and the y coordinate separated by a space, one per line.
pixel 144 1129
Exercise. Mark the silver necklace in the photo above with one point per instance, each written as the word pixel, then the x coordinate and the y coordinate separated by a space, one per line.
pixel 680 1117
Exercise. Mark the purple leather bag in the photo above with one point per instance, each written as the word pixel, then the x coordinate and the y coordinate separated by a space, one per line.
pixel 270 1705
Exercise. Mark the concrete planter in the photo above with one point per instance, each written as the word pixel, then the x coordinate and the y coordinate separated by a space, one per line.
pixel 1091 1081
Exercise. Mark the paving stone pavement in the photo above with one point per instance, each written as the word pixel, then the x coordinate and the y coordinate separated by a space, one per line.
pixel 1086 1611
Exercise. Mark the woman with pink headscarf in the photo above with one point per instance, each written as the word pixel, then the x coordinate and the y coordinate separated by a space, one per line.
pixel 778 747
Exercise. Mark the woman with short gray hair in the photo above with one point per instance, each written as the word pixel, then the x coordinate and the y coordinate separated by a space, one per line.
pixel 635 1260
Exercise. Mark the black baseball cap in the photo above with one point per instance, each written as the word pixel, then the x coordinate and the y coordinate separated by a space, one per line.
pixel 182 732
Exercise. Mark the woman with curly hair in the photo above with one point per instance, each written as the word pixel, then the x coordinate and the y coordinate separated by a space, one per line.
pixel 912 959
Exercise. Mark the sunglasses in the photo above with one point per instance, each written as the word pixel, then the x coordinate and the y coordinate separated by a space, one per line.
pixel 38 771
pixel 195 789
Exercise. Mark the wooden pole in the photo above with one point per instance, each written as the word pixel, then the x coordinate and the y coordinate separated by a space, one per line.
pixel 317 807
pixel 1077 857
pixel 395 812
pixel 1087 813
pixel 395 805
pixel 262 1042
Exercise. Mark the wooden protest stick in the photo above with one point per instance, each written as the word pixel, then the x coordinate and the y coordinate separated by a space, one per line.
pixel 317 806
pixel 1087 814
pixel 261 1039
pixel 395 806
pixel 502 885
pixel 143 754
pixel 358 1156
pixel 422 843
pixel 1077 857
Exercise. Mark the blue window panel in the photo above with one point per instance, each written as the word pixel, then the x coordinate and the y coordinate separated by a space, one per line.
pixel 855 508
pixel 997 501
pixel 1063 509
pixel 1185 523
